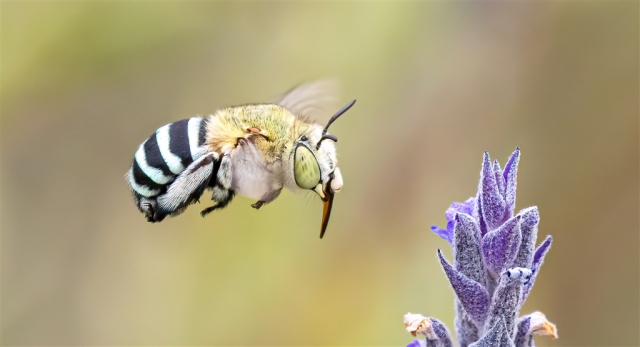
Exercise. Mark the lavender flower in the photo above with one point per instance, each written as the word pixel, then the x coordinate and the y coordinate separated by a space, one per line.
pixel 495 264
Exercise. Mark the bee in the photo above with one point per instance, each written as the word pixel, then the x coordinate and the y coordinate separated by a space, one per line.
pixel 251 150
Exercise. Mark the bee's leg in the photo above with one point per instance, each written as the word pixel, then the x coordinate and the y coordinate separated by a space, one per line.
pixel 222 198
pixel 222 192
pixel 267 198
pixel 147 206
pixel 187 187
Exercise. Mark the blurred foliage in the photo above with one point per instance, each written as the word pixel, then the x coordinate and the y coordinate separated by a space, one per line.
pixel 83 83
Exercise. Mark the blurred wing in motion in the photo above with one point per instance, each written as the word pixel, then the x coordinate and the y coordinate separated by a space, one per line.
pixel 316 100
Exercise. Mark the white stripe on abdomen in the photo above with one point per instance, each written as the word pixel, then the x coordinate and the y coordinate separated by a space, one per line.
pixel 173 161
pixel 194 135
pixel 154 174
pixel 141 189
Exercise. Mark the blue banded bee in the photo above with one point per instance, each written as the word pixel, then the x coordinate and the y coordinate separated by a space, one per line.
pixel 251 150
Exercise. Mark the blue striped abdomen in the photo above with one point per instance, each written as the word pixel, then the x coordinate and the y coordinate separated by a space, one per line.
pixel 165 154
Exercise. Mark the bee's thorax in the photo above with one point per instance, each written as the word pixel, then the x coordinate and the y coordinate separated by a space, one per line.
pixel 268 126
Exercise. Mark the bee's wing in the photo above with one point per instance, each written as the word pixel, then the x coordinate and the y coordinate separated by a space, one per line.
pixel 316 100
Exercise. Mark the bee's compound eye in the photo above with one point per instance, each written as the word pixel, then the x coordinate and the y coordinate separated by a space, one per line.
pixel 305 168
pixel 304 138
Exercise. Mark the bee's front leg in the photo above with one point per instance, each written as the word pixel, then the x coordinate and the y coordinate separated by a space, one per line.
pixel 267 198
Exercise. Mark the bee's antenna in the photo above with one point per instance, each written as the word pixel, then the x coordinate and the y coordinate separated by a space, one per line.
pixel 338 114
pixel 333 118
pixel 333 138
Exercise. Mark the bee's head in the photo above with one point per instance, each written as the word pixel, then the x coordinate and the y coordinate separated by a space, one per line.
pixel 315 164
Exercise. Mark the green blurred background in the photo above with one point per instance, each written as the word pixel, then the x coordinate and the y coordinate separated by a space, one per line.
pixel 83 84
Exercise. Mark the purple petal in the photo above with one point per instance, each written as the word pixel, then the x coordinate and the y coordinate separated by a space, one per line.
pixel 450 213
pixel 538 259
pixel 500 246
pixel 497 171
pixel 472 295
pixel 510 177
pixel 444 234
pixel 492 205
pixel 417 343
pixel 529 230
pixel 467 253
pixel 459 207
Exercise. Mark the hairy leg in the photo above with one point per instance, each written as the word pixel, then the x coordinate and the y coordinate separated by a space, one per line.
pixel 222 192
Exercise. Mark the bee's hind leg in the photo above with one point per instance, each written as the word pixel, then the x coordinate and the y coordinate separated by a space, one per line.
pixel 222 197
pixel 267 198
pixel 151 211
pixel 222 192
pixel 147 206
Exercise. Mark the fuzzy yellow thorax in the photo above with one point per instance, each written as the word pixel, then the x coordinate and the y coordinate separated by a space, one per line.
pixel 271 127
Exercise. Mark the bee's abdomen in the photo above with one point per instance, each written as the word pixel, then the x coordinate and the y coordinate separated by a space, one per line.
pixel 165 154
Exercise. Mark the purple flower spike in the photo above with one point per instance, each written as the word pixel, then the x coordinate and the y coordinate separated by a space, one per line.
pixel 472 295
pixel 500 246
pixel 492 204
pixel 495 264
pixel 510 175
